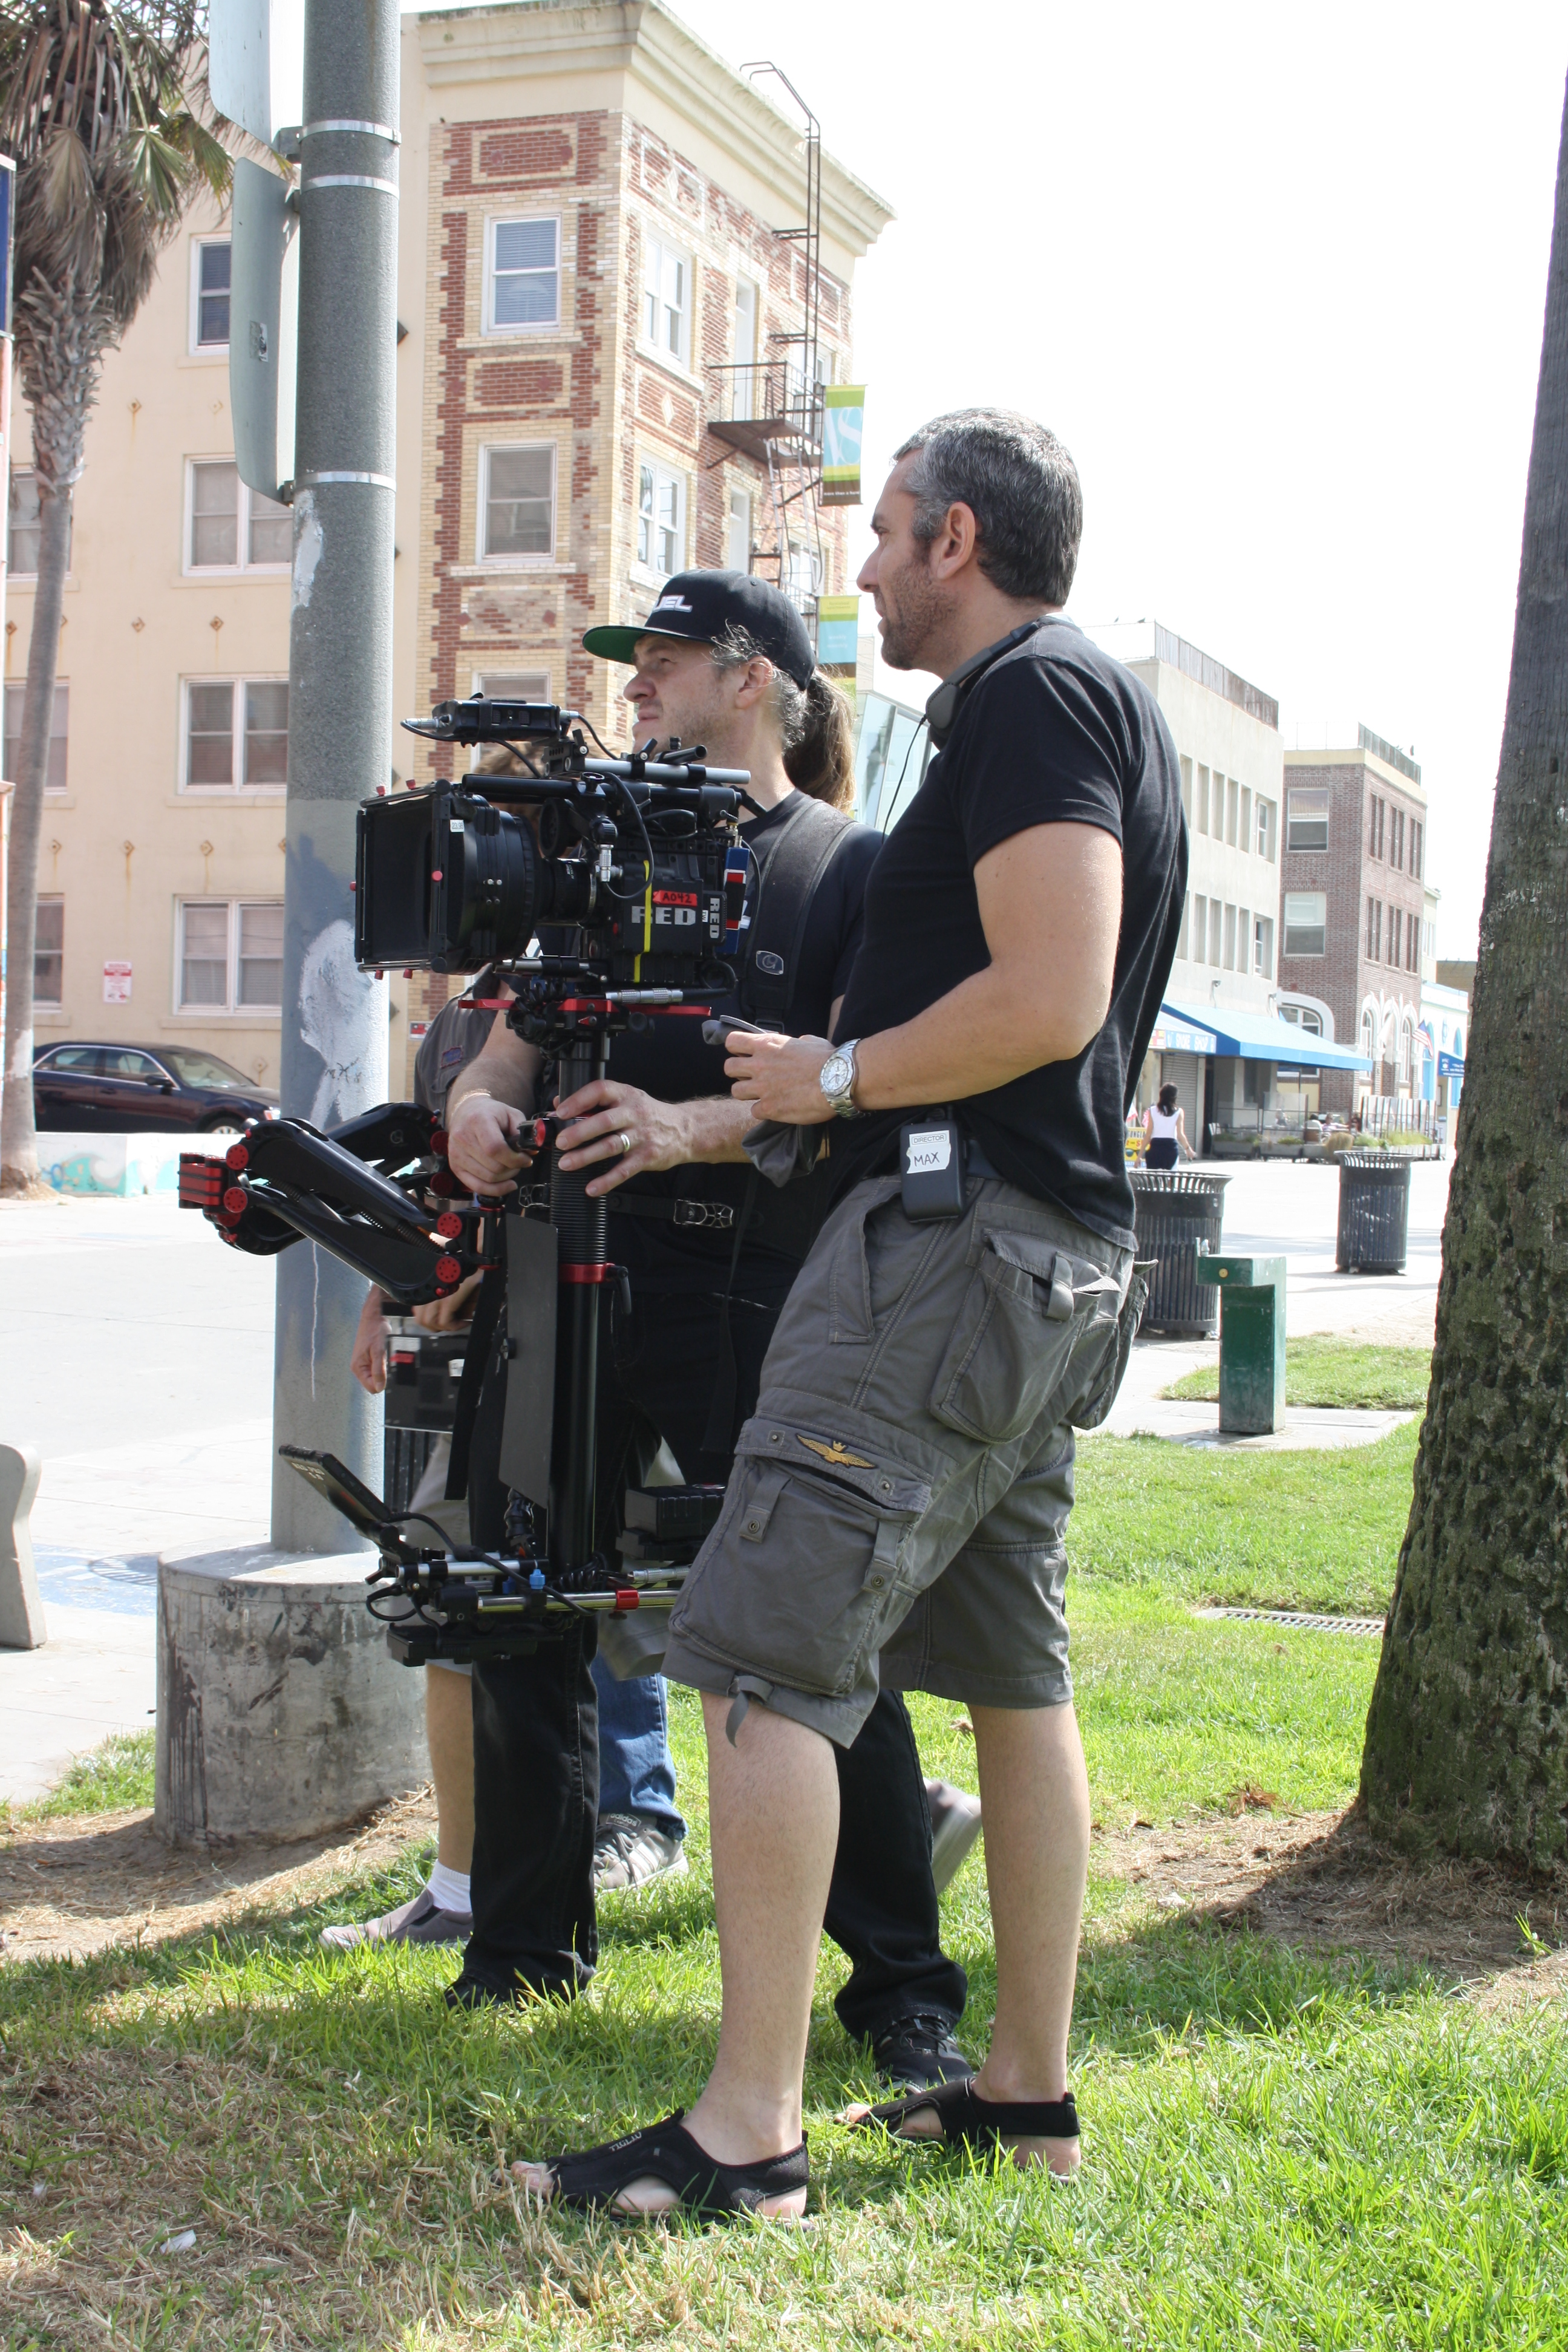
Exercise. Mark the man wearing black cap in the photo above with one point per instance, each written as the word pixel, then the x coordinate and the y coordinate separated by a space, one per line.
pixel 724 660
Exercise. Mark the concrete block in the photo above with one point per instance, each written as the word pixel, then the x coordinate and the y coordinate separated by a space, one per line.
pixel 21 1624
pixel 281 1713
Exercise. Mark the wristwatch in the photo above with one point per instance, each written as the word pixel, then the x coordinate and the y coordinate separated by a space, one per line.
pixel 836 1079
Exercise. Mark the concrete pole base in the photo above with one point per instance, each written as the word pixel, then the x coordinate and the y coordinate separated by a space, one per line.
pixel 21 1624
pixel 280 1713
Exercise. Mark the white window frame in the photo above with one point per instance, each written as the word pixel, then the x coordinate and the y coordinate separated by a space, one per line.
pixel 237 725
pixel 198 349
pixel 739 512
pixel 513 684
pixel 1309 814
pixel 18 687
pixel 1263 947
pixel 504 562
pixel 51 1003
pixel 1286 926
pixel 531 326
pixel 241 526
pixel 231 1009
pixel 655 241
pixel 646 566
pixel 1266 814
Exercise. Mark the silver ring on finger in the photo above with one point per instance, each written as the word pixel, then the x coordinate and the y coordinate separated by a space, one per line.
pixel 625 1141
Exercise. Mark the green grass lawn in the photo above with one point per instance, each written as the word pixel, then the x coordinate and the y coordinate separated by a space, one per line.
pixel 1328 1372
pixel 1282 2151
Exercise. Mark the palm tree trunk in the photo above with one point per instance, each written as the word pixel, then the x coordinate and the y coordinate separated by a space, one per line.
pixel 1467 1740
pixel 18 1139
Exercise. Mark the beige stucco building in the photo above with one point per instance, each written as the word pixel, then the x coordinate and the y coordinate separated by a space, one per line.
pixel 596 310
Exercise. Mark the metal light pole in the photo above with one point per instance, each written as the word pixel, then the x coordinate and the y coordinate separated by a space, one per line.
pixel 334 1059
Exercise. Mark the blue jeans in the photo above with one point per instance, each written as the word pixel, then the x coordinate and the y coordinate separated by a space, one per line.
pixel 637 1771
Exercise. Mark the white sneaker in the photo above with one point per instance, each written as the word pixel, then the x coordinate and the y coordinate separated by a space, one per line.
pixel 423 1921
pixel 954 1826
pixel 629 1850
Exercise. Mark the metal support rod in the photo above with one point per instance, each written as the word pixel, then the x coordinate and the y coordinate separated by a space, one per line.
pixel 582 1225
pixel 334 1042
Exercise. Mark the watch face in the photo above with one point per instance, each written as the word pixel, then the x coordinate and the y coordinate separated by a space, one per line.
pixel 836 1074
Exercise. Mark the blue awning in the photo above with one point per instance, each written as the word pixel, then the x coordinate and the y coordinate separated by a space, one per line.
pixel 1180 1036
pixel 1259 1037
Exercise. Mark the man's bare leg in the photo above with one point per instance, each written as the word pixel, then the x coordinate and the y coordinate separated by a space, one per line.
pixel 449 1727
pixel 1035 1792
pixel 773 1800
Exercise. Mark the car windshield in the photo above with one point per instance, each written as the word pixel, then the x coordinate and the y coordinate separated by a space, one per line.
pixel 193 1069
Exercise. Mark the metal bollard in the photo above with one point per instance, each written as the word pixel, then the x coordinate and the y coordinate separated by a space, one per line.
pixel 1251 1341
pixel 21 1624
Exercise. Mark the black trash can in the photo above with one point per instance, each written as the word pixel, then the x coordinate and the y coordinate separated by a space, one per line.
pixel 1375 1213
pixel 1174 1210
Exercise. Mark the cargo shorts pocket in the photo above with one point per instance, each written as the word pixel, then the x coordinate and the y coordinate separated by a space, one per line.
pixel 802 1577
pixel 1013 1340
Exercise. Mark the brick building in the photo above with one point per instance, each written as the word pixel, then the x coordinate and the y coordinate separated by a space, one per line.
pixel 596 298
pixel 610 327
pixel 1352 905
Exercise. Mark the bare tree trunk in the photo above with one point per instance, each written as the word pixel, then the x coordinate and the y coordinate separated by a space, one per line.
pixel 18 1139
pixel 1467 1740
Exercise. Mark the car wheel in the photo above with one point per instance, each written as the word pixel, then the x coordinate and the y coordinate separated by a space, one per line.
pixel 225 1123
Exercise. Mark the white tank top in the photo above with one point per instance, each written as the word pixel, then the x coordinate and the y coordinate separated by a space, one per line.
pixel 1164 1122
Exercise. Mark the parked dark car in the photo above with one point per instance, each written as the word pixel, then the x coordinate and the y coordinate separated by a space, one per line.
pixel 137 1089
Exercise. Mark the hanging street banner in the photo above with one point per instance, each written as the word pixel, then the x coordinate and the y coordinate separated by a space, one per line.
pixel 842 422
pixel 837 634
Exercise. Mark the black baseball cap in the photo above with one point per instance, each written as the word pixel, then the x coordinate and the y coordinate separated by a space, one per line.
pixel 698 606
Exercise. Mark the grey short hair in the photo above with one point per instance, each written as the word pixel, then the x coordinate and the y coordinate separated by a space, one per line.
pixel 1022 488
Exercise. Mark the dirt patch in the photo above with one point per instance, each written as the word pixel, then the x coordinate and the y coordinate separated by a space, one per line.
pixel 86 1884
pixel 1322 1880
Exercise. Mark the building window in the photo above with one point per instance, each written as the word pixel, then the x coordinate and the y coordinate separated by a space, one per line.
pixel 1397 851
pixel 209 295
pixel 1217 921
pixel 232 526
pixel 1200 907
pixel 514 684
pixel 237 733
pixel 743 401
pixel 1374 930
pixel 517 503
pixel 1244 835
pixel 1418 842
pixel 1306 922
pixel 59 723
pixel 524 288
pixel 667 301
pixel 1265 824
pixel 1229 963
pixel 1306 818
pixel 738 544
pixel 1393 935
pixel 1232 808
pixel 661 520
pixel 1369 1036
pixel 1375 829
pixel 1187 925
pixel 50 952
pixel 1263 946
pixel 1202 820
pixel 230 955
pixel 1186 789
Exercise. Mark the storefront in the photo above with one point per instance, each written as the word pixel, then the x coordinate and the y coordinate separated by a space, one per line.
pixel 1260 1083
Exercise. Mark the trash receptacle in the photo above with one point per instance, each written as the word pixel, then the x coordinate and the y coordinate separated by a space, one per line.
pixel 1375 1213
pixel 1174 1210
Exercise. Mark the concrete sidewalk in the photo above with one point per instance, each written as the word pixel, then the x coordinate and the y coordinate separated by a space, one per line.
pixel 139 1363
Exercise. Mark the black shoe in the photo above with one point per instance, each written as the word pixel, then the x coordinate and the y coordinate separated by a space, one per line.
pixel 917 2052
pixel 476 1992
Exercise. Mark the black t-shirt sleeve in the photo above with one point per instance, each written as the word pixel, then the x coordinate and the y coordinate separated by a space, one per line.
pixel 1042 751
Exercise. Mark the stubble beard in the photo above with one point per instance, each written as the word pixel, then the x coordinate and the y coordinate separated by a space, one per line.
pixel 908 631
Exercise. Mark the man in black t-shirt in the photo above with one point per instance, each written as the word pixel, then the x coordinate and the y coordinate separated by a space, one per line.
pixel 724 659
pixel 898 1506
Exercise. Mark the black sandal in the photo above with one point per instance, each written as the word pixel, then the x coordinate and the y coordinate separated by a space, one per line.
pixel 667 2152
pixel 969 2121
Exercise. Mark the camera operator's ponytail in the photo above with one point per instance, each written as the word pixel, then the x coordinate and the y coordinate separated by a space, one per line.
pixel 820 762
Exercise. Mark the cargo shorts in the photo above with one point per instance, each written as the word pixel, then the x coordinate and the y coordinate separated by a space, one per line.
pixel 900 1499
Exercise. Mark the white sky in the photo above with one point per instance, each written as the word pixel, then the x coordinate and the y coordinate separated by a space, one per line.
pixel 1277 278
